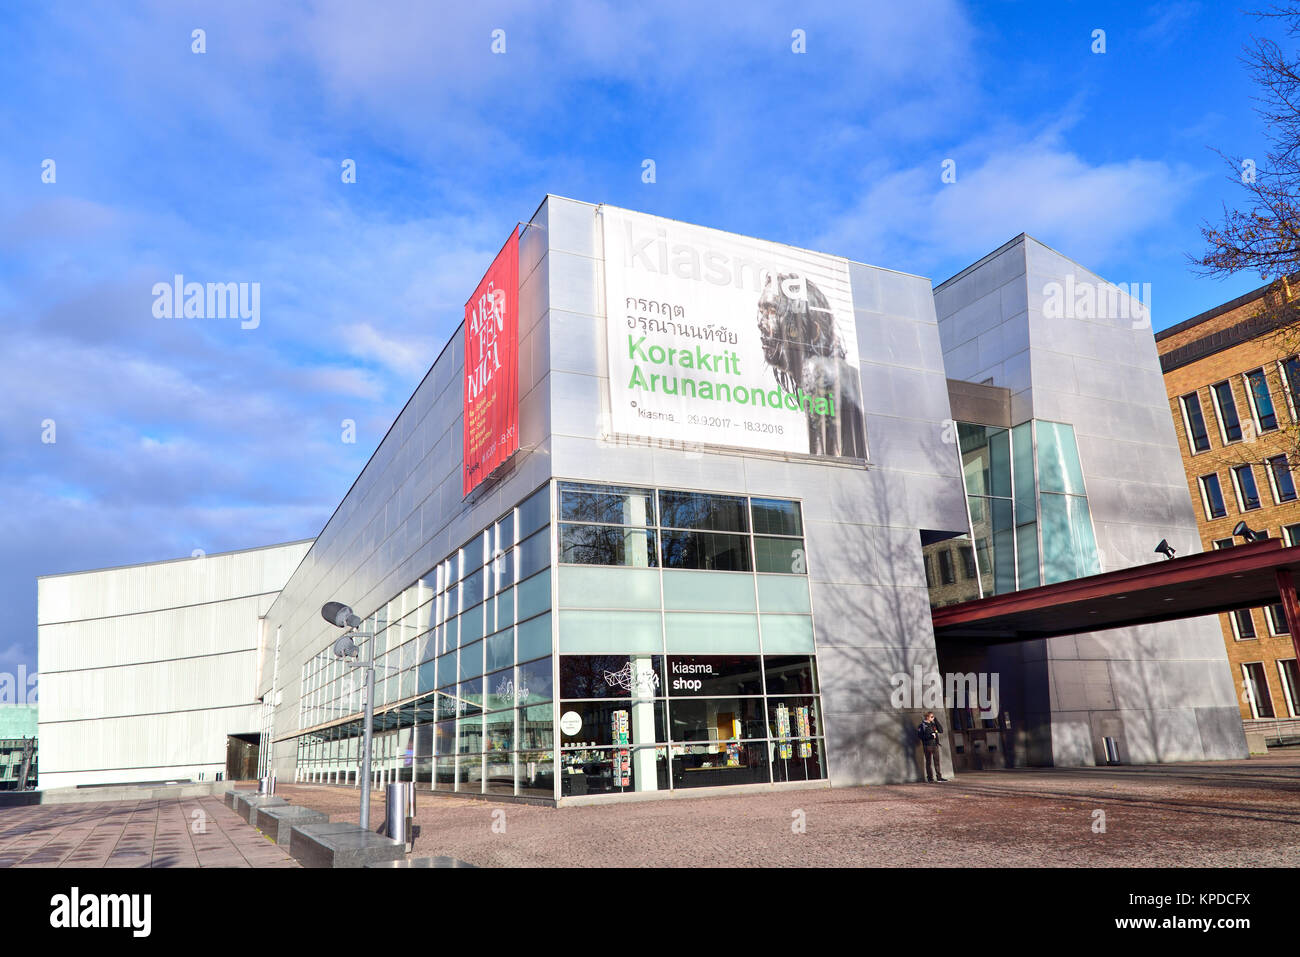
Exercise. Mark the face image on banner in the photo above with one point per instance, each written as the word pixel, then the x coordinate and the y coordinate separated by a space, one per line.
pixel 491 393
pixel 726 340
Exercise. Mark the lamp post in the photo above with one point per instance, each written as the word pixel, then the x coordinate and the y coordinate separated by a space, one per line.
pixel 341 616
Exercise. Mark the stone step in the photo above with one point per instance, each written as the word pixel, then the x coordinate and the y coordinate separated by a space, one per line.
pixel 342 845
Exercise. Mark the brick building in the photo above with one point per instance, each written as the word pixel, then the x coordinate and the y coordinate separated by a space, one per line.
pixel 1233 379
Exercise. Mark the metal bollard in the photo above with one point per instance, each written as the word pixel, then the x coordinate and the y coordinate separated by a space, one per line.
pixel 399 818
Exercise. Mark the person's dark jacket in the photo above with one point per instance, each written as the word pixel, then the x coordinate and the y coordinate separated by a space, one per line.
pixel 929 731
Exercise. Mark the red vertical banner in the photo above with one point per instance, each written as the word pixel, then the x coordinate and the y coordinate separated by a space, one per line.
pixel 492 367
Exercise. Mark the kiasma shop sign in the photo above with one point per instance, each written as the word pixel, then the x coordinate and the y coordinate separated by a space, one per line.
pixel 491 393
pixel 725 340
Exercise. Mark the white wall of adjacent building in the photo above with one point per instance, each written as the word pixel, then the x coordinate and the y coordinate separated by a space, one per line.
pixel 147 669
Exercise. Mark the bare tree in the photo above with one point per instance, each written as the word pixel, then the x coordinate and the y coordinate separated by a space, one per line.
pixel 1263 234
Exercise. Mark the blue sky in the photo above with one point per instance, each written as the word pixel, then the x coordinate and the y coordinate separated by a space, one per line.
pixel 181 434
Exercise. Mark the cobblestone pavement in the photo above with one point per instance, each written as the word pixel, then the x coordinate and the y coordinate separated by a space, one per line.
pixel 153 833
pixel 1228 814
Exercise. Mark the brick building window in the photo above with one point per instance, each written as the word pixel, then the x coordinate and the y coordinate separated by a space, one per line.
pixel 1198 439
pixel 1243 476
pixel 1212 497
pixel 1226 407
pixel 1261 401
pixel 1283 482
pixel 1261 703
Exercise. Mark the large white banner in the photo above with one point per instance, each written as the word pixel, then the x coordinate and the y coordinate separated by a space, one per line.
pixel 726 340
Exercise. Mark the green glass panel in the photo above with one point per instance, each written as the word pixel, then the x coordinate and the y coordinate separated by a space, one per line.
pixel 534 595
pixel 1027 554
pixel 610 632
pixel 1058 459
pixel 1069 550
pixel 783 593
pixel 1022 441
pixel 611 587
pixel 708 590
pixel 534 637
pixel 702 633
pixel 787 634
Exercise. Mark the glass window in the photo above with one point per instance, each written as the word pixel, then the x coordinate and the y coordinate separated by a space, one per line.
pixel 1277 619
pixel 533 682
pixel 1290 678
pixel 1069 550
pixel 1291 373
pixel 710 765
pixel 534 637
pixel 607 545
pixel 594 721
pixel 705 550
pixel 1291 534
pixel 986 459
pixel 535 511
pixel 691 632
pixel 1283 482
pixel 1058 459
pixel 613 770
pixel 1243 623
pixel 1261 400
pixel 1261 702
pixel 499 650
pixel 717 719
pixel 787 633
pixel 612 587
pixel 471 660
pixel 790 674
pixel 534 554
pixel 713 675
pixel 1223 543
pixel 1198 439
pixel 1226 405
pixel 597 632
pixel 780 556
pixel 776 517
pixel 697 510
pixel 611 676
pixel 1247 494
pixel 534 595
pixel 606 504
pixel 536 727
pixel 947 572
pixel 499 773
pixel 536 773
pixel 1212 496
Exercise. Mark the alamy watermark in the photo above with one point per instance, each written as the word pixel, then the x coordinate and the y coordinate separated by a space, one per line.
pixel 21 688
pixel 933 690
pixel 215 300
pixel 1075 299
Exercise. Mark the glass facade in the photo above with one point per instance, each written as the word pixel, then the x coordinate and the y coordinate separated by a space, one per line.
pixel 677 652
pixel 686 660
pixel 463 680
pixel 1030 522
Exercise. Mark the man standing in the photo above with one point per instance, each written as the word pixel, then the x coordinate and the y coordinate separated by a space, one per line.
pixel 929 731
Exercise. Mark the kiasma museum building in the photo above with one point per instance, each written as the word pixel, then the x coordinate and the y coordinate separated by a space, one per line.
pixel 672 508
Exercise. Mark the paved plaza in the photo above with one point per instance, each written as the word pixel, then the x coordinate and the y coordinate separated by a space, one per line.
pixel 1226 814
pixel 187 832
